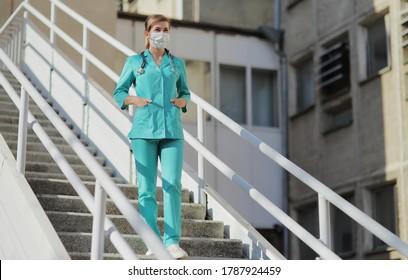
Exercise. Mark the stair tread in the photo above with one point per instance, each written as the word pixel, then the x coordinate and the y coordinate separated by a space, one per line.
pixel 62 186
pixel 52 188
pixel 194 246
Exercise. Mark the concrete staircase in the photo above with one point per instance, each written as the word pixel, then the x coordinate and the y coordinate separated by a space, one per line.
pixel 201 238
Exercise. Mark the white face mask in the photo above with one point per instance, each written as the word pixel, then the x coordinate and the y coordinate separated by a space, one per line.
pixel 159 40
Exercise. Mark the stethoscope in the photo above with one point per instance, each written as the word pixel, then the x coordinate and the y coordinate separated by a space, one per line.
pixel 141 70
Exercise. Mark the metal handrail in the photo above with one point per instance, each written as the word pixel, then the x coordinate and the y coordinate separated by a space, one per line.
pixel 352 211
pixel 123 204
pixel 68 171
pixel 12 17
pixel 264 202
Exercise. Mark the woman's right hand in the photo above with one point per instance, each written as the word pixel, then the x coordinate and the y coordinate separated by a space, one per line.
pixel 138 101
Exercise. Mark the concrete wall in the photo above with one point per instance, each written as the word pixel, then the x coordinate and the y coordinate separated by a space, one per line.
pixel 373 149
pixel 237 13
pixel 26 232
pixel 101 13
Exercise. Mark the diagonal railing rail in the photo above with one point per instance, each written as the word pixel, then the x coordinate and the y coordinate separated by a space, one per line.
pixel 326 195
pixel 103 181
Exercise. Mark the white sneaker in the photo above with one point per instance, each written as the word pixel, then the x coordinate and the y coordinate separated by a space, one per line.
pixel 149 252
pixel 176 252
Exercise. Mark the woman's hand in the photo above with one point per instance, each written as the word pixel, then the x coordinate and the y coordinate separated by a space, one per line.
pixel 179 102
pixel 138 101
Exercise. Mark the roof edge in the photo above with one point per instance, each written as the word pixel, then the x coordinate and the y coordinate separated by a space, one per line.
pixel 199 25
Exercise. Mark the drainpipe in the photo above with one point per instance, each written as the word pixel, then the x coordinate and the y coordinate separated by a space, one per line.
pixel 275 35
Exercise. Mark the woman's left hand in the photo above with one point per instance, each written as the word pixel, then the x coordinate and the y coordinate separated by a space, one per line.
pixel 179 102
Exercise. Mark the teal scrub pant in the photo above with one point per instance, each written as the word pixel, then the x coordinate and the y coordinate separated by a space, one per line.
pixel 170 152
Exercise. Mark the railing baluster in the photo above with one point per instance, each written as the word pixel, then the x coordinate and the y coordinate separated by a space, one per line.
pixel 324 221
pixel 98 232
pixel 22 132
pixel 85 76
pixel 200 137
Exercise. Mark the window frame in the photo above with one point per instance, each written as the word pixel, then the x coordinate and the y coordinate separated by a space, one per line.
pixel 350 197
pixel 296 66
pixel 382 246
pixel 336 48
pixel 249 95
pixel 246 119
pixel 364 75
pixel 275 97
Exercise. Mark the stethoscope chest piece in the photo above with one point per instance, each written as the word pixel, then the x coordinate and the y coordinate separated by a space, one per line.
pixel 141 70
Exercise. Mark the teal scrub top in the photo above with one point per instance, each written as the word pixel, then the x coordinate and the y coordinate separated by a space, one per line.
pixel 160 119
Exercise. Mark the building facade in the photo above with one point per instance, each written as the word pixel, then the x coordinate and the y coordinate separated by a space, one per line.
pixel 347 100
pixel 348 117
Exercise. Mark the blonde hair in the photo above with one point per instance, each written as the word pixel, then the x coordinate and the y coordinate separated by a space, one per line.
pixel 150 22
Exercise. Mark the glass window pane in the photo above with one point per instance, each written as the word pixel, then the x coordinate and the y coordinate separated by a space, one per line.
pixel 335 69
pixel 232 92
pixel 264 98
pixel 343 229
pixel 376 47
pixel 199 82
pixel 307 218
pixel 384 210
pixel 305 88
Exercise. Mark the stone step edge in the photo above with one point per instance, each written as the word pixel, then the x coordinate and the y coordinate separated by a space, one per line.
pixel 110 216
pixel 73 197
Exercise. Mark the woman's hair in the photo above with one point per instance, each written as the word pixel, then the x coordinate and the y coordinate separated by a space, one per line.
pixel 150 22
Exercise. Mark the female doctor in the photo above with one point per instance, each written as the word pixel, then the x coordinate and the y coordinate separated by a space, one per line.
pixel 161 93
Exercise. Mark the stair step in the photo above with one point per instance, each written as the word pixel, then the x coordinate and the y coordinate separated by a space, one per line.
pixel 202 239
pixel 113 256
pixel 39 147
pixel 63 187
pixel 74 204
pixel 15 113
pixel 40 175
pixel 10 137
pixel 10 105
pixel 46 157
pixel 82 222
pixel 45 167
pixel 203 247
pixel 44 122
pixel 11 128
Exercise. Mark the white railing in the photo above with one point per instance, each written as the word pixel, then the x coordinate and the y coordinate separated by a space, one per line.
pixel 103 184
pixel 325 194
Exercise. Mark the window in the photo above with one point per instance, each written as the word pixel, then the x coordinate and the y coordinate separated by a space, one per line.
pixel 304 85
pixel 292 3
pixel 338 116
pixel 232 92
pixel 404 31
pixel 308 218
pixel 334 69
pixel 377 47
pixel 199 82
pixel 384 210
pixel 264 98
pixel 343 230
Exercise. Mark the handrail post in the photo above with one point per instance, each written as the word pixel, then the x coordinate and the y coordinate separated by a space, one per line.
pixel 22 132
pixel 52 44
pixel 324 221
pixel 85 75
pixel 200 166
pixel 98 232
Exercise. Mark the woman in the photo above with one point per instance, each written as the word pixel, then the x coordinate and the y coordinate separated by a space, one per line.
pixel 161 92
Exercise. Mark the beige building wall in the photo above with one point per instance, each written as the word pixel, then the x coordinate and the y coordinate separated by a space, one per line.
pixel 102 13
pixel 237 13
pixel 7 8
pixel 372 150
